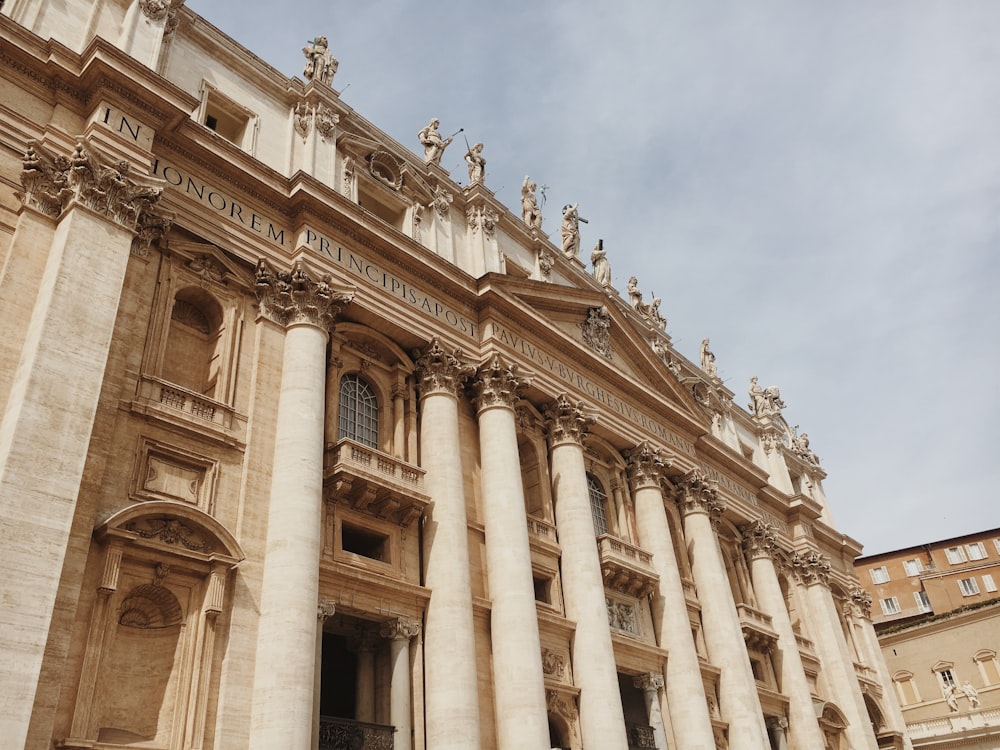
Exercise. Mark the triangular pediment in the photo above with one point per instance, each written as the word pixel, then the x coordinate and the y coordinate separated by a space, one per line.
pixel 635 353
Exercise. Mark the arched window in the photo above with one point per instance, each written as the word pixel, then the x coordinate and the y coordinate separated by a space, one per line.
pixel 598 500
pixel 358 411
pixel 193 358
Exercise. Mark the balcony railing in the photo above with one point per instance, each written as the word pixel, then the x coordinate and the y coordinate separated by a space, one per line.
pixel 757 629
pixel 169 398
pixel 626 568
pixel 374 482
pixel 345 734
pixel 640 737
pixel 542 530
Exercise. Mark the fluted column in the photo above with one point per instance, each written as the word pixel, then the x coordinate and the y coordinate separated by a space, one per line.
pixel 518 681
pixel 760 544
pixel 831 646
pixel 59 294
pixel 686 703
pixel 602 721
pixel 738 700
pixel 650 685
pixel 400 632
pixel 286 635
pixel 452 700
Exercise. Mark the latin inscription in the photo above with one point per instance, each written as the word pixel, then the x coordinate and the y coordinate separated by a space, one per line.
pixel 223 204
pixel 577 379
pixel 374 275
pixel 125 125
pixel 724 481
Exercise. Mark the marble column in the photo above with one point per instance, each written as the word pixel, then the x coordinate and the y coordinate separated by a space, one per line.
pixel 284 675
pixel 650 685
pixel 835 657
pixel 80 219
pixel 364 678
pixel 738 700
pixel 400 632
pixel 761 546
pixel 518 680
pixel 861 606
pixel 686 702
pixel 602 721
pixel 452 698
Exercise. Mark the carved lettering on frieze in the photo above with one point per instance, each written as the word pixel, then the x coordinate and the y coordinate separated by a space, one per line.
pixel 565 421
pixel 646 465
pixel 440 371
pixel 297 296
pixel 498 384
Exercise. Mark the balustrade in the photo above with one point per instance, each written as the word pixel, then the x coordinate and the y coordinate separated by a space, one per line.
pixel 345 734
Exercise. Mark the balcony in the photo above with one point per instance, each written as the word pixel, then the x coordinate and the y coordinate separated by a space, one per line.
pixel 758 633
pixel 375 483
pixel 345 734
pixel 626 568
pixel 181 406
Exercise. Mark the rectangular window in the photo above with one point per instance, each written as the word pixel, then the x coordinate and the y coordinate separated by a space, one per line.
pixel 976 551
pixel 890 606
pixel 955 555
pixel 923 602
pixel 996 543
pixel 988 583
pixel 947 678
pixel 968 586
pixel 879 575
pixel 912 567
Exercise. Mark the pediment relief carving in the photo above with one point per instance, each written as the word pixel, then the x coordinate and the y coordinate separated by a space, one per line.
pixel 387 167
pixel 211 265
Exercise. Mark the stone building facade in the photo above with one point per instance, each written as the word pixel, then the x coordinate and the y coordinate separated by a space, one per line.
pixel 937 617
pixel 304 444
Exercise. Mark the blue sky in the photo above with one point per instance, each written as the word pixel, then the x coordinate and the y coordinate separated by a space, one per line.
pixel 815 186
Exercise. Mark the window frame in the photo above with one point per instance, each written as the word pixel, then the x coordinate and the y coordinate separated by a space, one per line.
pixel 955 555
pixel 879 575
pixel 598 505
pixel 989 585
pixel 968 586
pixel 922 600
pixel 356 420
pixel 980 551
pixel 888 610
pixel 913 567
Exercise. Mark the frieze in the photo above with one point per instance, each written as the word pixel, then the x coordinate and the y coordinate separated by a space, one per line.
pixel 169 531
pixel 728 484
pixel 577 379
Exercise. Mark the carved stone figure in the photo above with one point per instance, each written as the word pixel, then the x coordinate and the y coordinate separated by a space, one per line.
pixel 530 211
pixel 634 295
pixel 800 445
pixel 571 230
pixel 597 331
pixel 765 402
pixel 971 693
pixel 477 164
pixel 320 64
pixel 951 697
pixel 708 360
pixel 434 145
pixel 602 268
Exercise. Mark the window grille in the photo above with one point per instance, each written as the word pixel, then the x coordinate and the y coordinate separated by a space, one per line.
pixel 598 498
pixel 358 411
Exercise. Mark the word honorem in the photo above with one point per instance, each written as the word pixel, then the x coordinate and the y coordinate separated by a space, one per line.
pixel 375 275
pixel 592 389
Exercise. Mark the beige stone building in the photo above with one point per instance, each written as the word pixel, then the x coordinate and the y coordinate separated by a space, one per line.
pixel 306 445
pixel 938 622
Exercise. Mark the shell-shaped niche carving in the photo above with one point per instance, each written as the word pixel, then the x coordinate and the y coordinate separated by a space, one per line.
pixel 386 168
pixel 149 606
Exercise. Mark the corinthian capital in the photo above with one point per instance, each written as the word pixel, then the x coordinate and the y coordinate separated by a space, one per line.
pixel 648 681
pixel 862 601
pixel 696 493
pixel 811 567
pixel 440 371
pixel 498 384
pixel 566 422
pixel 646 465
pixel 759 539
pixel 298 296
pixel 400 629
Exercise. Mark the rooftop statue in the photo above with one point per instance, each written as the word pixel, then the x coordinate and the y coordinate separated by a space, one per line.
pixel 320 64
pixel 530 211
pixel 602 268
pixel 765 402
pixel 434 145
pixel 708 360
pixel 650 311
pixel 477 164
pixel 800 445
pixel 571 230
pixel 634 295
